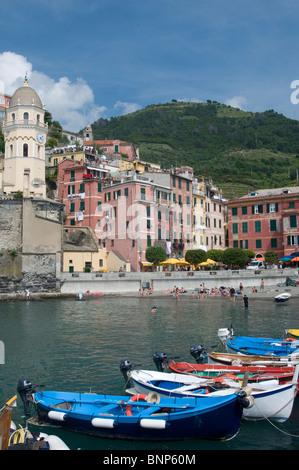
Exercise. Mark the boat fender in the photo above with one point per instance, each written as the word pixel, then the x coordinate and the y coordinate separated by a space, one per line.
pixel 287 340
pixel 247 402
pixel 153 423
pixel 57 415
pixel 138 397
pixel 103 423
pixel 55 443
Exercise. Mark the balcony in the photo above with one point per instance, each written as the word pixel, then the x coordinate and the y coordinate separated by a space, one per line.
pixel 25 123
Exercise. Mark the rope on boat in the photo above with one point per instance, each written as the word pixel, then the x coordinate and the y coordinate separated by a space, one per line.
pixel 267 418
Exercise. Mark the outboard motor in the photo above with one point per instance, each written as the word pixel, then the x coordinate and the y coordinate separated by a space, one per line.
pixel 126 366
pixel 26 390
pixel 198 352
pixel 161 361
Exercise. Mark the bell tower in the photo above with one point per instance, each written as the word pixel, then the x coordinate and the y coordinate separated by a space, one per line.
pixel 25 135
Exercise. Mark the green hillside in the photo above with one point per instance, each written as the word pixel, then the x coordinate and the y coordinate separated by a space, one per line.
pixel 240 150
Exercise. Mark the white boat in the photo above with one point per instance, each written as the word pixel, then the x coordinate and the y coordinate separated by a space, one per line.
pixel 282 297
pixel 271 400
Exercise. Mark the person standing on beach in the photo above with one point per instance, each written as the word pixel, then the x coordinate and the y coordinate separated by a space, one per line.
pixel 262 285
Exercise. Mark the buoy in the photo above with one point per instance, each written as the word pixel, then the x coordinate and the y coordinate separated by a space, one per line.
pixel 138 397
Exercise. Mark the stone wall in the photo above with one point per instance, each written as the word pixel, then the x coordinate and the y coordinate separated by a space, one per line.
pixel 30 245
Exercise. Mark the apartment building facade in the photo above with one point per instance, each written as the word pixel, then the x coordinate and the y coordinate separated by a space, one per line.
pixel 265 220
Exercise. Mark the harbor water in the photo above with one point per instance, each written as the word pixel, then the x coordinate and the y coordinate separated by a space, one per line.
pixel 72 345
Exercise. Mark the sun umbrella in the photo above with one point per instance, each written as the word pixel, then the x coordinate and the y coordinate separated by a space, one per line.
pixel 296 253
pixel 169 261
pixel 211 261
pixel 285 258
pixel 204 263
pixel 295 259
pixel 182 262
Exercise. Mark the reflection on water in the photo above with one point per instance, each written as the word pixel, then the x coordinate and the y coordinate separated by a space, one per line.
pixel 78 345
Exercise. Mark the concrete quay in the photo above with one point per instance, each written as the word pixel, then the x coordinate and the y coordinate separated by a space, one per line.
pixel 162 282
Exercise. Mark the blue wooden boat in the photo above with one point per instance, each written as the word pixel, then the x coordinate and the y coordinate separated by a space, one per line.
pixel 263 346
pixel 142 417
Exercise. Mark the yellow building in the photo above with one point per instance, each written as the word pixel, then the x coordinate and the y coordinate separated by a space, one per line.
pixel 198 204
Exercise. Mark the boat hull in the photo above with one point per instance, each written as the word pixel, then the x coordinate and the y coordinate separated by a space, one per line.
pixel 271 400
pixel 218 420
pixel 214 371
pixel 252 360
pixel 262 346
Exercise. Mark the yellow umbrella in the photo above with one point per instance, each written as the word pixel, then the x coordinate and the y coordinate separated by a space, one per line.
pixel 211 261
pixel 204 263
pixel 169 261
pixel 183 262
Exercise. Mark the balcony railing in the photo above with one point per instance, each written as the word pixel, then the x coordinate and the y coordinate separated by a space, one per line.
pixel 25 122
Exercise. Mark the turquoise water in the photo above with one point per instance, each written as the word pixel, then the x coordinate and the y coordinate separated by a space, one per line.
pixel 74 345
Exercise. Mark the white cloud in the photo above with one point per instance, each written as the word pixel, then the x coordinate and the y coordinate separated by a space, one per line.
pixel 126 107
pixel 237 102
pixel 70 103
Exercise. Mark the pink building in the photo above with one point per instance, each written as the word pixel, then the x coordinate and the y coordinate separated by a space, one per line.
pixel 265 220
pixel 114 147
pixel 130 214
pixel 81 191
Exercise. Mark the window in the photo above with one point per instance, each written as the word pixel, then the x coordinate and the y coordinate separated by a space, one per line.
pixel 257 209
pixel 245 227
pixel 273 226
pixel 25 150
pixel 258 244
pixel 82 188
pixel 257 224
pixel 244 210
pixel 126 192
pixel 148 211
pixel 82 205
pixel 273 207
pixel 293 221
pixel 72 175
pixel 292 205
pixel 273 242
pixel 149 241
pixel 235 244
pixel 72 207
pixel 293 240
pixel 234 211
pixel 26 117
pixel 142 190
pixel 99 187
pixel 235 228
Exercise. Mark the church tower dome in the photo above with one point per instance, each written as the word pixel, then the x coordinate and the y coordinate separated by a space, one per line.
pixel 25 96
pixel 25 135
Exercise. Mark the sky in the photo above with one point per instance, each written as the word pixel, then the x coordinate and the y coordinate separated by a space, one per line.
pixel 105 58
